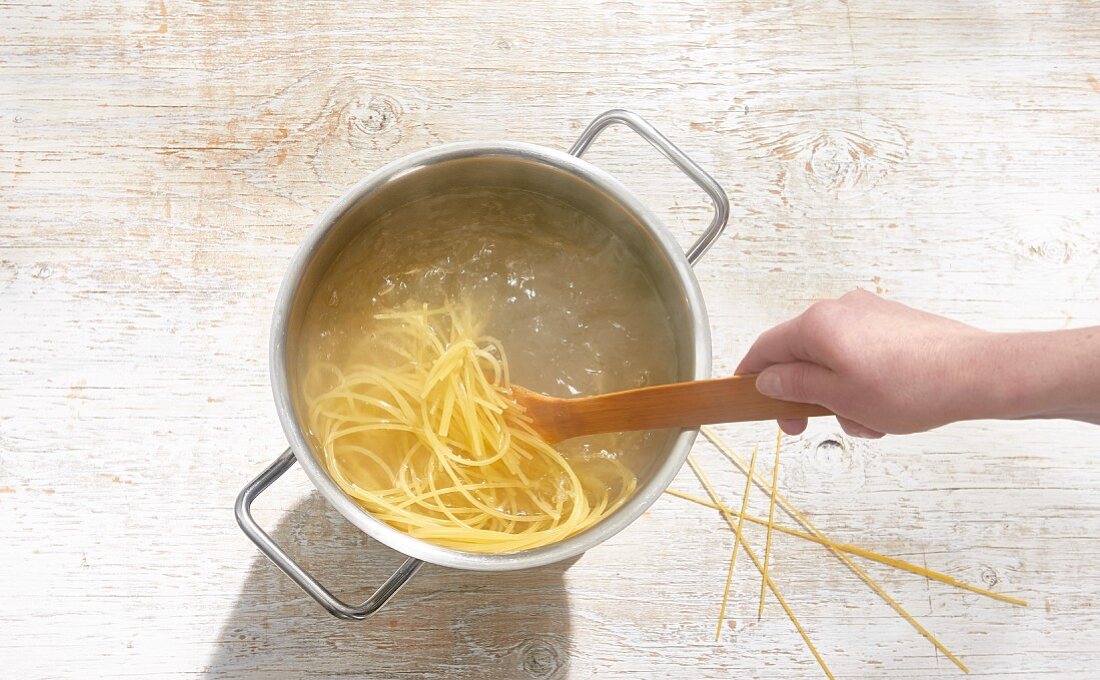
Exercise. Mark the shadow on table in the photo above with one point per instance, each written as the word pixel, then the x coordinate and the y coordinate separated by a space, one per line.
pixel 444 623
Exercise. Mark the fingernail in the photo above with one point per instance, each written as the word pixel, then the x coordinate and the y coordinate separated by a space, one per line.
pixel 769 385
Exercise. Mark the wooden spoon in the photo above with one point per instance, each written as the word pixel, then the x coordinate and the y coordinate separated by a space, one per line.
pixel 683 404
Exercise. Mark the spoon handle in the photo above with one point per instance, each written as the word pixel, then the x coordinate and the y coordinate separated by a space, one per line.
pixel 685 404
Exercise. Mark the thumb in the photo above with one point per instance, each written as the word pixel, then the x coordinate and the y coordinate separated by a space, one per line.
pixel 798 381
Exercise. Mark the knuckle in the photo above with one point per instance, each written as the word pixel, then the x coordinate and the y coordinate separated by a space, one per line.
pixel 857 295
pixel 818 321
pixel 831 331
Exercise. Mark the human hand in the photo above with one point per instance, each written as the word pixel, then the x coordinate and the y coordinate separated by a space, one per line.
pixel 882 367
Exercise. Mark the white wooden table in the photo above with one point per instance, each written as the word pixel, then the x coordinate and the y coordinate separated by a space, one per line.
pixel 159 162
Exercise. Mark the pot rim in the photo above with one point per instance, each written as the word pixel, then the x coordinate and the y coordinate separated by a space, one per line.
pixel 633 508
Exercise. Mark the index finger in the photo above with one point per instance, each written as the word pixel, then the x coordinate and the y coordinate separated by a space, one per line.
pixel 780 344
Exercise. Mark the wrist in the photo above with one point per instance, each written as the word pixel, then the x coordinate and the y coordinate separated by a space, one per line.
pixel 1012 382
pixel 1038 375
pixel 977 369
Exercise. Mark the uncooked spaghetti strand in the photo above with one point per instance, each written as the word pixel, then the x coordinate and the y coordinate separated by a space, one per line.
pixel 771 517
pixel 855 568
pixel 759 567
pixel 855 550
pixel 736 541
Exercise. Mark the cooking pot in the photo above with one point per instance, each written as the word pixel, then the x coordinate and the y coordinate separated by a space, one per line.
pixel 495 164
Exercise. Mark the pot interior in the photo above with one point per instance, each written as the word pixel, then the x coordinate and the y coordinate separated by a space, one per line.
pixel 371 219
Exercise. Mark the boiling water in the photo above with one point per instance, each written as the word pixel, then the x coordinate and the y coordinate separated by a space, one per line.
pixel 568 299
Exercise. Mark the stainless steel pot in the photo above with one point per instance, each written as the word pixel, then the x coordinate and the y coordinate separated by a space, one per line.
pixel 561 175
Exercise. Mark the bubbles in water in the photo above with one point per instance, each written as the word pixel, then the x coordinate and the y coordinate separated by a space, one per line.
pixel 568 299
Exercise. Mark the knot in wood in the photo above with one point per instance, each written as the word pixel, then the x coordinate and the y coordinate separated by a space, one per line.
pixel 989 576
pixel 823 459
pixel 838 160
pixel 832 442
pixel 837 156
pixel 374 116
pixel 1047 239
pixel 542 659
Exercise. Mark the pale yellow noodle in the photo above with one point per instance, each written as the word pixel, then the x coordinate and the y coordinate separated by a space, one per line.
pixel 702 477
pixel 852 550
pixel 431 442
pixel 733 553
pixel 771 520
pixel 728 451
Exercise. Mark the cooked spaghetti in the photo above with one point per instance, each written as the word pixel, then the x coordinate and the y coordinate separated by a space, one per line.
pixel 420 429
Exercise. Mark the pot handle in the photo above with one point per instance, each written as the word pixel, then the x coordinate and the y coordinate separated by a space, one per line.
pixel 312 586
pixel 679 158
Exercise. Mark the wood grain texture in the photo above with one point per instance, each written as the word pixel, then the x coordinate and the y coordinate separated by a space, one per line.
pixel 732 399
pixel 160 161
